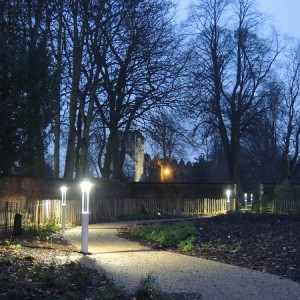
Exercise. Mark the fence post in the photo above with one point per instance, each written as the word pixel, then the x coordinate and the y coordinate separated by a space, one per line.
pixel 260 195
pixel 6 218
pixel 17 225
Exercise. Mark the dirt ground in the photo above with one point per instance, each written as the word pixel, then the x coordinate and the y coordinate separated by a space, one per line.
pixel 264 242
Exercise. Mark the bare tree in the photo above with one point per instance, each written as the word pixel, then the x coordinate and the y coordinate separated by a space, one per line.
pixel 56 31
pixel 167 136
pixel 76 19
pixel 290 123
pixel 138 65
pixel 231 63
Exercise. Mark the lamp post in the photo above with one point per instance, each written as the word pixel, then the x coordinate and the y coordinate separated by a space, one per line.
pixel 85 189
pixel 228 192
pixel 63 206
pixel 245 196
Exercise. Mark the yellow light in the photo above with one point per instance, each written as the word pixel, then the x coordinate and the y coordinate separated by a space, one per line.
pixel 167 171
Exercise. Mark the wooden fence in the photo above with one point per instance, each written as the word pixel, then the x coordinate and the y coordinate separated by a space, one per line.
pixel 110 200
pixel 288 201
pixel 286 206
pixel 109 209
pixel 36 213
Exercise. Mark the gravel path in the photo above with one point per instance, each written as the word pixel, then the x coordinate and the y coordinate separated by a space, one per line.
pixel 126 262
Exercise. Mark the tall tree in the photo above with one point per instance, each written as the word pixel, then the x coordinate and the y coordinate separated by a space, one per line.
pixel 231 63
pixel 56 42
pixel 290 132
pixel 262 147
pixel 138 65
pixel 28 71
pixel 76 19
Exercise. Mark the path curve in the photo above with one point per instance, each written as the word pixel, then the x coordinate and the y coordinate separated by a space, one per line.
pixel 126 262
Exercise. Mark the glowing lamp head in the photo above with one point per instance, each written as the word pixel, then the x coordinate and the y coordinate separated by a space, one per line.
pixel 63 189
pixel 63 194
pixel 85 188
pixel 228 193
pixel 85 185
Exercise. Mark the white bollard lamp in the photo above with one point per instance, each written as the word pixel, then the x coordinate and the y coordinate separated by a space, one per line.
pixel 85 189
pixel 63 206
pixel 228 193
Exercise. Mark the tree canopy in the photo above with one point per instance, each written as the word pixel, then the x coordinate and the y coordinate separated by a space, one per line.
pixel 76 77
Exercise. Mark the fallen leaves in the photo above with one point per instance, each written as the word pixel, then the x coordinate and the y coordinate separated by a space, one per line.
pixel 262 242
pixel 31 271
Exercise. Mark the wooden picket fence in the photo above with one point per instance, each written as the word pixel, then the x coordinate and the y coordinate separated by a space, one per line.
pixel 288 203
pixel 36 213
pixel 39 212
pixel 287 206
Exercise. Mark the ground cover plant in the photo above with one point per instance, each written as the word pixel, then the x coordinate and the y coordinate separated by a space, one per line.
pixel 175 235
pixel 263 242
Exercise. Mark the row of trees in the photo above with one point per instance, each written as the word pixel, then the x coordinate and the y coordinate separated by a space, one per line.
pixel 93 70
pixel 77 76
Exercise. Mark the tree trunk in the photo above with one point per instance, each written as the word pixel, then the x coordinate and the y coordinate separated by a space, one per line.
pixel 77 58
pixel 111 164
pixel 56 156
pixel 17 225
pixel 87 120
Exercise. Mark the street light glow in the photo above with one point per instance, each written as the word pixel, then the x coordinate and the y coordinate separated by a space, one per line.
pixel 85 188
pixel 167 171
pixel 63 206
pixel 63 195
pixel 85 185
pixel 63 188
pixel 228 193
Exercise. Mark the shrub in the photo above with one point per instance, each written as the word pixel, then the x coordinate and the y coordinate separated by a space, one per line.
pixel 149 289
pixel 188 244
pixel 45 230
pixel 168 235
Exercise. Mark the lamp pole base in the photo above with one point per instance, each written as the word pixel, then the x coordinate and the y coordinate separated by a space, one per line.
pixel 85 233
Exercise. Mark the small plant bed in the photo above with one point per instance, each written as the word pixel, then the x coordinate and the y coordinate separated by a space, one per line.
pixel 39 268
pixel 262 242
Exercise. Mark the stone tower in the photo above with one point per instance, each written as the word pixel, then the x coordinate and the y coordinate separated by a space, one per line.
pixel 135 149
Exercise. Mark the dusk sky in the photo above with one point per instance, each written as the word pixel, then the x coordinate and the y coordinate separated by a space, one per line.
pixel 284 14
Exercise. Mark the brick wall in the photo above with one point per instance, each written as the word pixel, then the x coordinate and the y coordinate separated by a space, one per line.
pixel 16 188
